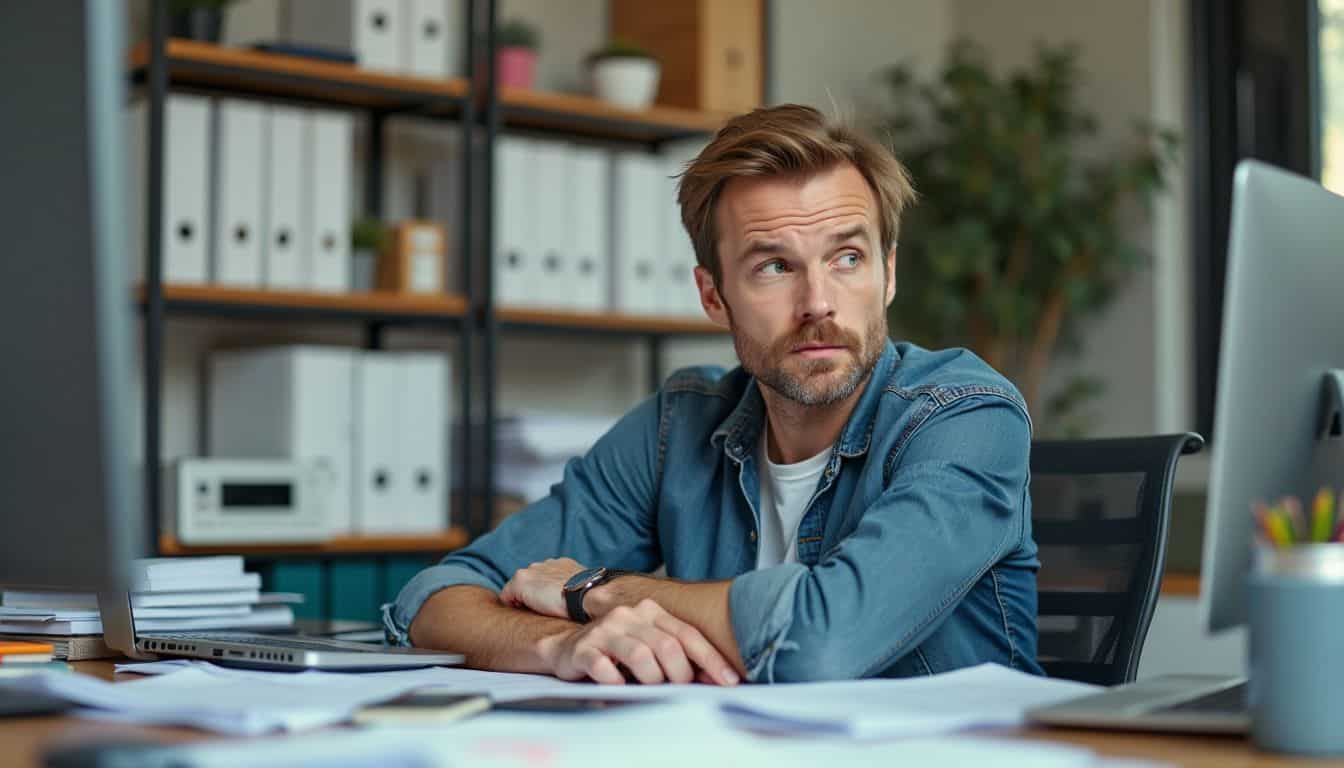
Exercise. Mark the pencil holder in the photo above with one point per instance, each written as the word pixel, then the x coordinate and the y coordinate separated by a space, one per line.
pixel 1296 614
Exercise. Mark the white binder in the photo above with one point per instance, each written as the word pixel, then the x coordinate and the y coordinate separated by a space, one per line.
pixel 381 492
pixel 284 245
pixel 372 29
pixel 515 223
pixel 292 402
pixel 590 257
pixel 428 31
pixel 424 448
pixel 553 269
pixel 186 175
pixel 236 233
pixel 328 194
pixel 636 233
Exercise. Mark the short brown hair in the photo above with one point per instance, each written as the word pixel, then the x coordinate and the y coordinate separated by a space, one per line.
pixel 785 139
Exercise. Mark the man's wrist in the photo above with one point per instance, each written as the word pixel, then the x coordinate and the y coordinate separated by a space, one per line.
pixel 599 600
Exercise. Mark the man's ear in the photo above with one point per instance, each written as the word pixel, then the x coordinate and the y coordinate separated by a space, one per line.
pixel 891 276
pixel 710 298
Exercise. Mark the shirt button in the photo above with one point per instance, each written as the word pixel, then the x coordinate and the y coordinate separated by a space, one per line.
pixel 751 537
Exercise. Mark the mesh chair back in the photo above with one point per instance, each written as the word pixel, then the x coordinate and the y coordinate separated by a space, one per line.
pixel 1099 515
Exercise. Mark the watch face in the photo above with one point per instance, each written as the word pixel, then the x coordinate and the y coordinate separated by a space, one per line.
pixel 583 577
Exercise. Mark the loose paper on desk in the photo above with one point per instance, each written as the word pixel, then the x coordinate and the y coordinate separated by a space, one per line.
pixel 987 695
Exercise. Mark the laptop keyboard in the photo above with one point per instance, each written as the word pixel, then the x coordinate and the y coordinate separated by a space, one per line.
pixel 1226 701
pixel 269 641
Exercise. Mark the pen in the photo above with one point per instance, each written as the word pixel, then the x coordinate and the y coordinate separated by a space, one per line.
pixel 1323 515
pixel 1292 513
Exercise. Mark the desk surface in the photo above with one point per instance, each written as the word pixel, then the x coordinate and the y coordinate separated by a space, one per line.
pixel 22 740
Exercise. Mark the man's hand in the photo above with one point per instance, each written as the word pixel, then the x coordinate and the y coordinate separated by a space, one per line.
pixel 654 645
pixel 540 587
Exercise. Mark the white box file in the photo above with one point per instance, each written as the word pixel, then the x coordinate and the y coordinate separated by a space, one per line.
pixel 636 233
pixel 237 192
pixel 424 453
pixel 430 33
pixel 328 194
pixel 294 402
pixel 589 228
pixel 516 258
pixel 553 270
pixel 186 179
pixel 284 234
pixel 381 491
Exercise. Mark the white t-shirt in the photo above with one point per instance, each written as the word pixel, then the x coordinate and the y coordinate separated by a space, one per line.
pixel 785 491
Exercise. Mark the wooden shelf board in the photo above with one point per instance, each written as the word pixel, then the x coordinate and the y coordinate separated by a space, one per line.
pixel 253 72
pixel 604 321
pixel 1180 584
pixel 373 303
pixel 524 108
pixel 454 538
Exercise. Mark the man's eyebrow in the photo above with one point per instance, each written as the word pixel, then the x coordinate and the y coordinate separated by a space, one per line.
pixel 847 233
pixel 762 248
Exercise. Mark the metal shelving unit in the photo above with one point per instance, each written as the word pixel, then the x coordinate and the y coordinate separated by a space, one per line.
pixel 481 111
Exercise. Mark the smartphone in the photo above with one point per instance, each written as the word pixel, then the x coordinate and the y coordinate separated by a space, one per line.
pixel 562 705
pixel 424 705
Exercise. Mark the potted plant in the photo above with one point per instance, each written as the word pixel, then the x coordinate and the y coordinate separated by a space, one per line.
pixel 624 74
pixel 367 238
pixel 197 19
pixel 1019 237
pixel 516 44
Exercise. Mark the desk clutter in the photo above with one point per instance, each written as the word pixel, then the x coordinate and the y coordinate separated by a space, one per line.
pixel 167 594
pixel 366 431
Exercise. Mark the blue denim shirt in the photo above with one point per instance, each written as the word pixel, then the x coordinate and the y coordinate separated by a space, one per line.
pixel 915 554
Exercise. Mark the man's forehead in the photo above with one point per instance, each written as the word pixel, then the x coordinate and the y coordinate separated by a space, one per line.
pixel 832 199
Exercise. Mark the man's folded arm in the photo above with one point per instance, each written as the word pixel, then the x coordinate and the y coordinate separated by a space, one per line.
pixel 953 508
pixel 602 511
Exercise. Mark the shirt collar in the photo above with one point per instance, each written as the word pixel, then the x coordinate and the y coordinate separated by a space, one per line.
pixel 742 428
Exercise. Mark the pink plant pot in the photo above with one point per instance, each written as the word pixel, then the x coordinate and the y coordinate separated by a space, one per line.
pixel 515 66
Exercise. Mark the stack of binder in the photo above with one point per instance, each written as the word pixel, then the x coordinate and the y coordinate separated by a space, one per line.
pixel 578 228
pixel 413 37
pixel 167 594
pixel 254 195
pixel 377 420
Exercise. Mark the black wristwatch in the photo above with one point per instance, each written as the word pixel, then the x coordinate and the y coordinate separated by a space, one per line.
pixel 578 586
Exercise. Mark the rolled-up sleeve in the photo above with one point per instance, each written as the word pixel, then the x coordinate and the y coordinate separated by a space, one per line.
pixel 601 513
pixel 955 505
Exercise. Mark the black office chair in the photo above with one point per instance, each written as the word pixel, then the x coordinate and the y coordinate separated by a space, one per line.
pixel 1100 510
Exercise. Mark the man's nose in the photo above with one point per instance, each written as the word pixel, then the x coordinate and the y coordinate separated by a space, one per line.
pixel 816 302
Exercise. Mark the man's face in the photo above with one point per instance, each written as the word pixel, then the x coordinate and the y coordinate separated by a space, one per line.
pixel 804 290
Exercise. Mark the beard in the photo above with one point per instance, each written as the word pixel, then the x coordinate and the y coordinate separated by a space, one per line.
pixel 818 382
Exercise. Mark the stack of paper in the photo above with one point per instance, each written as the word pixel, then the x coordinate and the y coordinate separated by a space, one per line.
pixel 533 448
pixel 167 594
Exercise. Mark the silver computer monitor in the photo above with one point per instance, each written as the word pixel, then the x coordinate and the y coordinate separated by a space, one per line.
pixel 69 513
pixel 1276 423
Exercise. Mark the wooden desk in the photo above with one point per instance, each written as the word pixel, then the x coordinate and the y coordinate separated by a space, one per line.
pixel 22 740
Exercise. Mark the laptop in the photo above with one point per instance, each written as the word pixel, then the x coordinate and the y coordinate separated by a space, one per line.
pixel 1284 270
pixel 255 650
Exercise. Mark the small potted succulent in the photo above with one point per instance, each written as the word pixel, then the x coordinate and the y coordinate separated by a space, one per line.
pixel 516 44
pixel 367 238
pixel 197 19
pixel 624 74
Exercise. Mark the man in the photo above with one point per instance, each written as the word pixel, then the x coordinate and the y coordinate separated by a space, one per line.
pixel 838 507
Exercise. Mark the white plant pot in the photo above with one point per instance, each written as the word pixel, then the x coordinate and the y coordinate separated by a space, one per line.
pixel 626 81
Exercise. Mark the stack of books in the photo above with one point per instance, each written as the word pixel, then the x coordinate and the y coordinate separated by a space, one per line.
pixel 22 658
pixel 167 594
